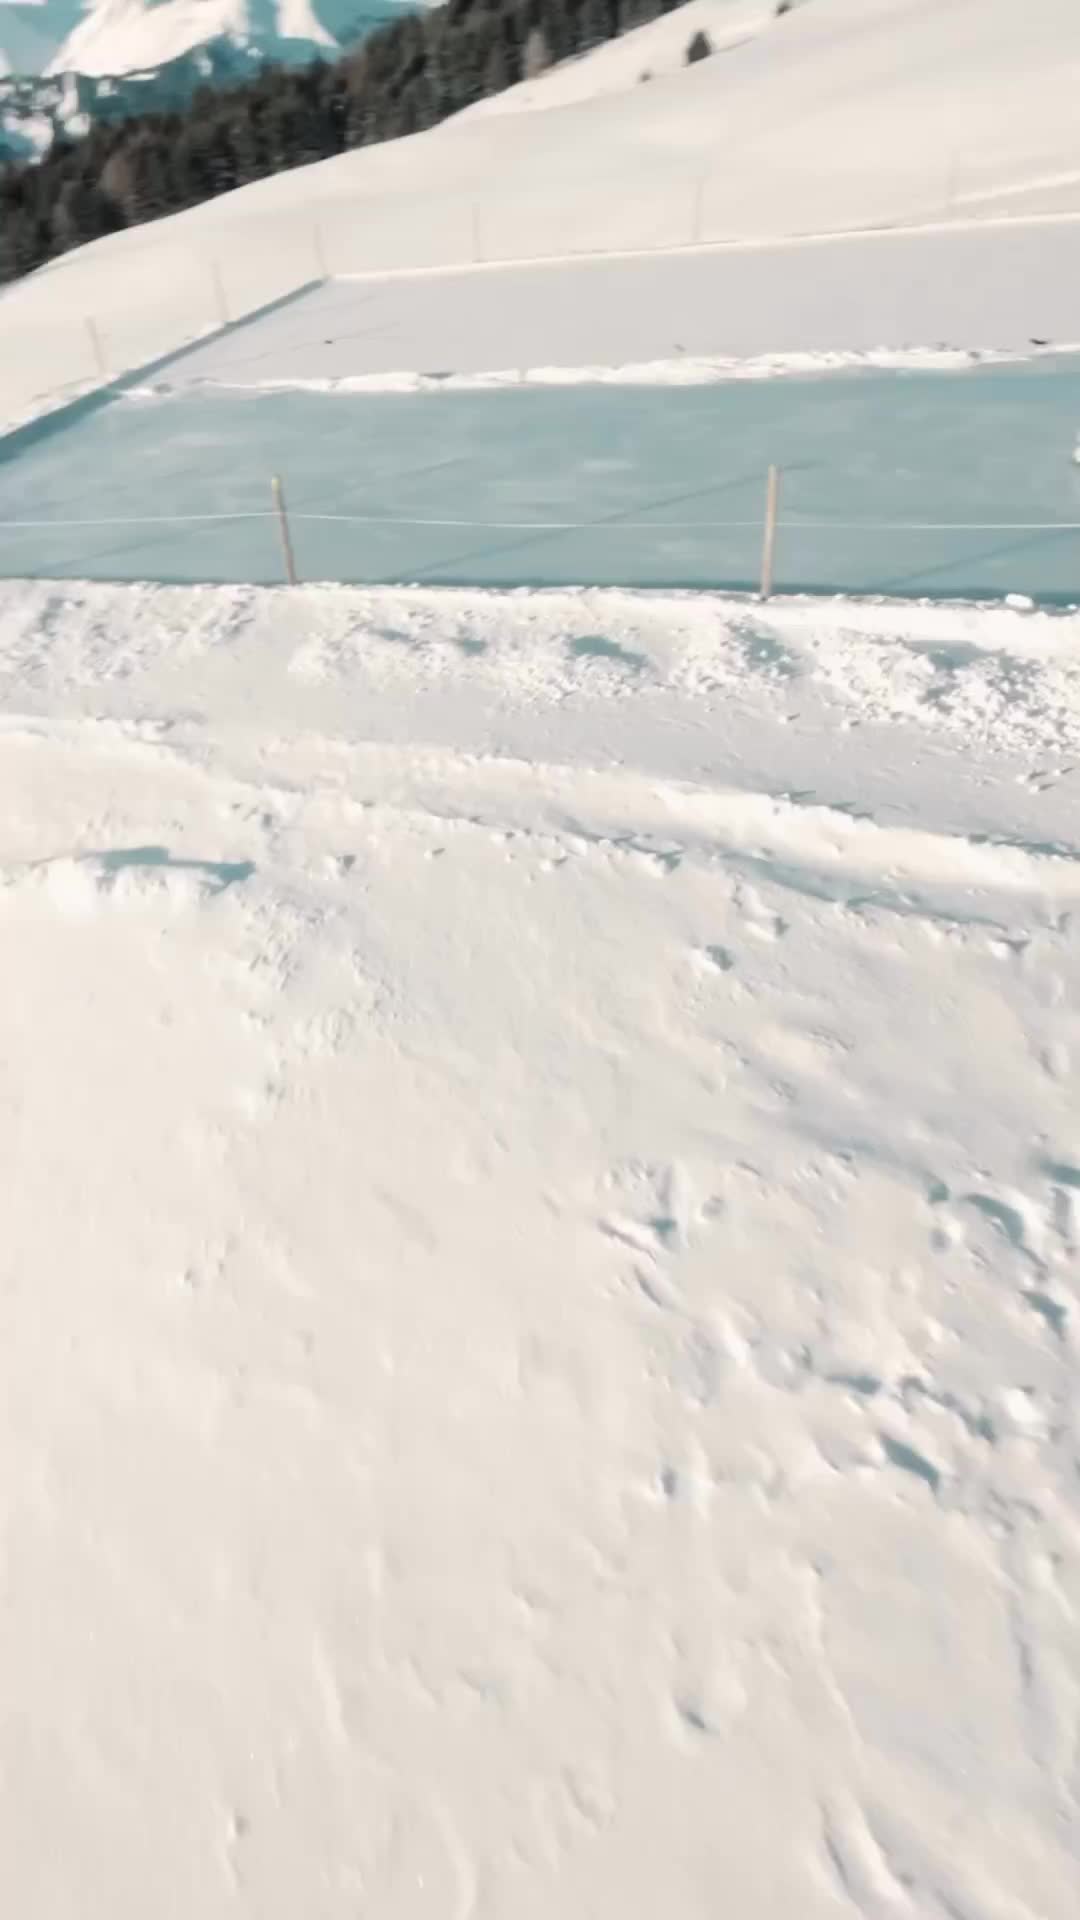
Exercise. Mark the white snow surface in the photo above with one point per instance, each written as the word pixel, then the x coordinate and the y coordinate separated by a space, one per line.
pixel 540 1320
pixel 644 54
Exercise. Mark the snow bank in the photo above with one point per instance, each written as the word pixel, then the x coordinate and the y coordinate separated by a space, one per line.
pixel 690 371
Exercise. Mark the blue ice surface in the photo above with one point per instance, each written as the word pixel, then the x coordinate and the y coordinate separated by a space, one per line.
pixel 653 472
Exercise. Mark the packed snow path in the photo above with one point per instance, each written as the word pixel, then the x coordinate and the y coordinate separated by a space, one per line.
pixel 539 1303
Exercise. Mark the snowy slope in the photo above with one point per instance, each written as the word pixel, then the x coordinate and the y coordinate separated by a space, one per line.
pixel 540 1319
pixel 649 51
pixel 806 128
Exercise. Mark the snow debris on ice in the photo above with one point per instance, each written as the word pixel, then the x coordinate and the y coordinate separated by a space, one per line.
pixel 687 370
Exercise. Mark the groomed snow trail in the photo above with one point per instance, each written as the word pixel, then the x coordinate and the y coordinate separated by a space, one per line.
pixel 539 1316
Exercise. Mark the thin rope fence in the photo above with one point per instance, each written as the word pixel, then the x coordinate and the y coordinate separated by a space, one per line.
pixel 769 526
pixel 613 525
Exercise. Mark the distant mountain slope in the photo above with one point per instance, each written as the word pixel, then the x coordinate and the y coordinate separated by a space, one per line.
pixel 39 108
pixel 110 37
pixel 67 63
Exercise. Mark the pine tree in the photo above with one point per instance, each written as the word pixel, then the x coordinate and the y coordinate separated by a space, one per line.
pixel 136 177
pixel 598 23
pixel 497 72
pixel 23 245
pixel 537 57
pixel 83 212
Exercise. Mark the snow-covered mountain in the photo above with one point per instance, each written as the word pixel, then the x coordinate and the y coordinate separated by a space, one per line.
pixel 64 63
pixel 107 37
pixel 36 109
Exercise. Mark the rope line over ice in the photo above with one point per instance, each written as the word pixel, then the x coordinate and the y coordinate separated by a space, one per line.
pixel 566 526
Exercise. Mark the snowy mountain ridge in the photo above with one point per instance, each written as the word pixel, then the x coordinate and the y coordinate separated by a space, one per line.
pixel 109 37
pixel 37 109
pixel 67 63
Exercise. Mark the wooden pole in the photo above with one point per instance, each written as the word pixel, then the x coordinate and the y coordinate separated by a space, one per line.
pixel 768 549
pixel 698 217
pixel 96 347
pixel 219 293
pixel 282 512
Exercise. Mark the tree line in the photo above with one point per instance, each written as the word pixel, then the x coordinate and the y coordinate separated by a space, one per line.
pixel 406 76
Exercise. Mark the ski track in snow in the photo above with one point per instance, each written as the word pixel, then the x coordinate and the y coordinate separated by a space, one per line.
pixel 553 1379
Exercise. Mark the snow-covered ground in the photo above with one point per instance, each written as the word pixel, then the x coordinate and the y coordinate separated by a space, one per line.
pixel 539 1363
pixel 644 54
